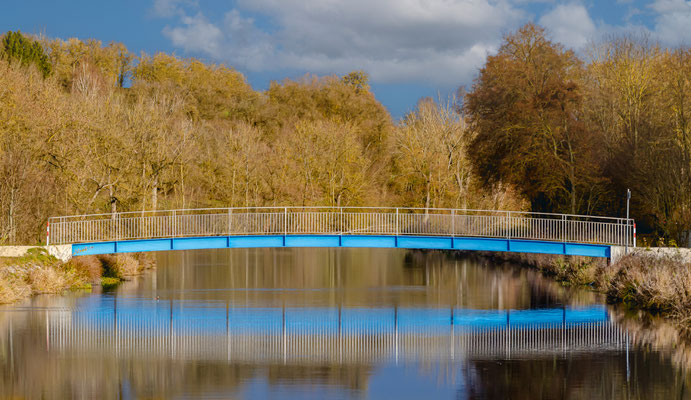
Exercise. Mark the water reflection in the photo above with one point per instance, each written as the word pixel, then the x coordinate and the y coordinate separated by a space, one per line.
pixel 144 329
pixel 327 324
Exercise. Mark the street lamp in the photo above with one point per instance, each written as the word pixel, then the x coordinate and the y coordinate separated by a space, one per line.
pixel 628 200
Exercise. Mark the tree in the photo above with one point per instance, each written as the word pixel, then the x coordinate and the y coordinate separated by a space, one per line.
pixel 18 47
pixel 347 100
pixel 357 79
pixel 208 91
pixel 430 162
pixel 525 108
pixel 639 102
pixel 325 164
pixel 106 66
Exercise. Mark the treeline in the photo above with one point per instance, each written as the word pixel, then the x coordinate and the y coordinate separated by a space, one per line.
pixel 87 127
pixel 571 134
pixel 90 128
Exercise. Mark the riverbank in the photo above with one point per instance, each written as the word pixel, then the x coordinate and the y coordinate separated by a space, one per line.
pixel 657 281
pixel 38 272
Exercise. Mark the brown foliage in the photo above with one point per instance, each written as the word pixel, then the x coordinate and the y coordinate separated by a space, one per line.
pixel 541 128
pixel 525 108
pixel 653 282
pixel 119 265
pixel 88 266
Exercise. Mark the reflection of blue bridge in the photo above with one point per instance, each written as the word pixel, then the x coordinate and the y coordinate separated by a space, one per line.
pixel 131 314
pixel 342 227
pixel 161 329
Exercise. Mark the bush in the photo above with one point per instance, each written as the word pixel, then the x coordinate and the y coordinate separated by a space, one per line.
pixel 46 280
pixel 25 50
pixel 13 286
pixel 656 283
pixel 108 282
pixel 88 266
pixel 119 265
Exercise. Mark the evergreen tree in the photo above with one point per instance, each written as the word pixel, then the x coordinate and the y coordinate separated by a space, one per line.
pixel 18 47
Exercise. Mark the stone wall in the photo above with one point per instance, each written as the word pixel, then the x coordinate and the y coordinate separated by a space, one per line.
pixel 684 253
pixel 62 251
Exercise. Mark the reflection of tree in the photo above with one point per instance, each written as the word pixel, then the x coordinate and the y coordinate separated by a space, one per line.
pixel 417 277
pixel 330 277
pixel 28 369
pixel 596 376
pixel 353 377
pixel 40 375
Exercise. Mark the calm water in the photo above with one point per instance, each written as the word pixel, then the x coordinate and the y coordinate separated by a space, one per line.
pixel 329 323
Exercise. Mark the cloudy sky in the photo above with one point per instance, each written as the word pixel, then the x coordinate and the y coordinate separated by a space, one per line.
pixel 410 48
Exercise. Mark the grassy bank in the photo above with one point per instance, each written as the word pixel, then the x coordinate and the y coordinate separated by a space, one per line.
pixel 657 283
pixel 37 272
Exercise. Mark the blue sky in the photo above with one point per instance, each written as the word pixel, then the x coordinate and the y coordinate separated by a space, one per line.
pixel 410 48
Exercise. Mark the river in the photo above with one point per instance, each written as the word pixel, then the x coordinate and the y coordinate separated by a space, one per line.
pixel 329 323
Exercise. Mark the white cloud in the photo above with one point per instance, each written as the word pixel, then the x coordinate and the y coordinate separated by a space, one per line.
pixel 438 42
pixel 570 24
pixel 673 21
pixel 196 34
pixel 433 41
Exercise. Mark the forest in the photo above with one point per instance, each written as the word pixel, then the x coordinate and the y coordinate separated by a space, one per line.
pixel 91 128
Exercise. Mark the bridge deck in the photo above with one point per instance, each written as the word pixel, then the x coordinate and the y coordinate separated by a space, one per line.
pixel 371 241
pixel 342 227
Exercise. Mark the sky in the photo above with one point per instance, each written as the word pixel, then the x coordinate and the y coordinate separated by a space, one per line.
pixel 410 48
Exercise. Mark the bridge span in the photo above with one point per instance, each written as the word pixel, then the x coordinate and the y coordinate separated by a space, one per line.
pixel 409 228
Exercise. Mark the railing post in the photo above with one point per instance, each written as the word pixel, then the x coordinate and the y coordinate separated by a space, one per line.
pixel 340 220
pixel 398 230
pixel 230 221
pixel 175 224
pixel 453 223
pixel 563 228
pixel 506 224
pixel 285 221
pixel 48 233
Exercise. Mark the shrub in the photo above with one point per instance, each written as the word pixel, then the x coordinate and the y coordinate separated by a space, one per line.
pixel 654 282
pixel 25 50
pixel 108 282
pixel 88 266
pixel 46 280
pixel 13 286
pixel 119 265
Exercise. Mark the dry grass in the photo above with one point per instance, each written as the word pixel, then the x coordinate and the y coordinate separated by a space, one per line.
pixel 568 270
pixel 146 260
pixel 47 280
pixel 660 284
pixel 655 282
pixel 40 273
pixel 120 265
pixel 13 289
pixel 88 266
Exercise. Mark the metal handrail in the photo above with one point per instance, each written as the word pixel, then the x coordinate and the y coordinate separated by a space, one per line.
pixel 293 220
pixel 393 209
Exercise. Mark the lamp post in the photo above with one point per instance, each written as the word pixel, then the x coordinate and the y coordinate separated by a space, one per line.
pixel 628 200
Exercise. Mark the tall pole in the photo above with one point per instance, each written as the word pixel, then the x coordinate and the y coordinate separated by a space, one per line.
pixel 628 200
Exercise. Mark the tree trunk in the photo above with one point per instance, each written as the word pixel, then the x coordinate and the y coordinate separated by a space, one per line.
pixel 427 198
pixel 572 179
pixel 12 229
pixel 113 200
pixel 154 194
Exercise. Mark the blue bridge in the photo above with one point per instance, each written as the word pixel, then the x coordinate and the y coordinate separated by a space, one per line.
pixel 406 228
